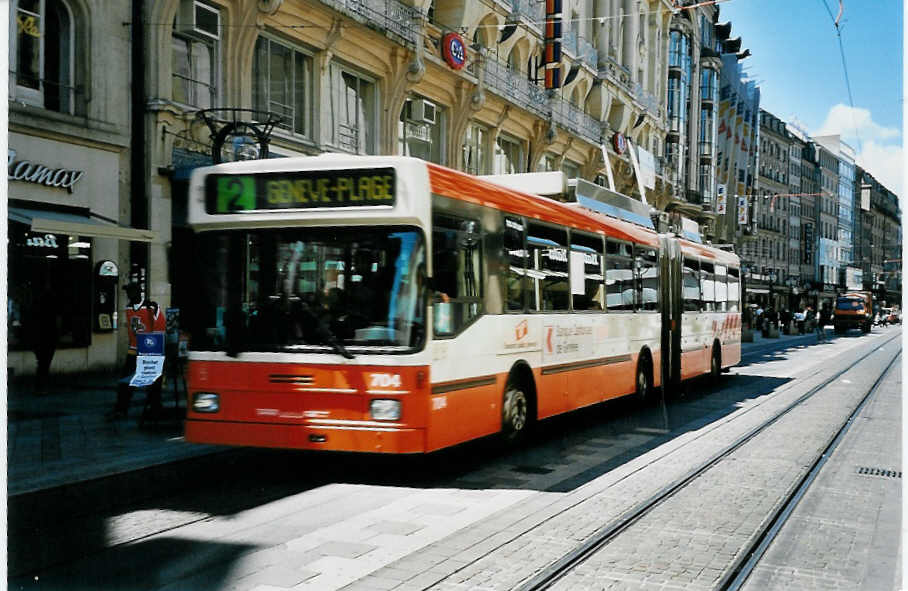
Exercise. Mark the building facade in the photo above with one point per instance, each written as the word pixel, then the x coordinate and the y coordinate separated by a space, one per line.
pixel 737 157
pixel 69 171
pixel 796 281
pixel 828 256
pixel 878 241
pixel 378 78
pixel 770 241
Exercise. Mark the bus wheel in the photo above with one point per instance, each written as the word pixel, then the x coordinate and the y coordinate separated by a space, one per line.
pixel 715 366
pixel 644 380
pixel 514 411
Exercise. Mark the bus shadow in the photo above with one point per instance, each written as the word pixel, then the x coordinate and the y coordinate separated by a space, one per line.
pixel 569 451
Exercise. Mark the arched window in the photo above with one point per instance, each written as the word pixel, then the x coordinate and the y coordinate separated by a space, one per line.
pixel 42 54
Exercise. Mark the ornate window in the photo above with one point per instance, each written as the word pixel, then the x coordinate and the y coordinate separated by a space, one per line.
pixel 508 156
pixel 475 160
pixel 282 82
pixel 42 54
pixel 353 105
pixel 194 61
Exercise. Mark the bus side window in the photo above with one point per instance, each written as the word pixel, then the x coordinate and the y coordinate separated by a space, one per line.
pixel 647 265
pixel 708 286
pixel 456 270
pixel 721 288
pixel 690 285
pixel 734 289
pixel 516 256
pixel 619 276
pixel 548 268
pixel 587 290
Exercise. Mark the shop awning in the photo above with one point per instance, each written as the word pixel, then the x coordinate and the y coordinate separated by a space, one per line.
pixel 75 224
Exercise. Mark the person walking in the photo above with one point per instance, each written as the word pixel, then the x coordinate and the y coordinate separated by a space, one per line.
pixel 822 320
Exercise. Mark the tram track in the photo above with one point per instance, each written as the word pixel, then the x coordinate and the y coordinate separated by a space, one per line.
pixel 738 576
pixel 124 529
pixel 547 577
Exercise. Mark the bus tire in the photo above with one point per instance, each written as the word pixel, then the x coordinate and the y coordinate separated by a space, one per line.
pixel 515 411
pixel 643 379
pixel 715 364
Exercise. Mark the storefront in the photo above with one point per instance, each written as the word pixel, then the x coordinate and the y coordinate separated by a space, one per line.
pixel 65 253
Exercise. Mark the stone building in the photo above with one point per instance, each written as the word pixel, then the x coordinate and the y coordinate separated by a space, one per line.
pixel 377 77
pixel 692 101
pixel 768 247
pixel 877 243
pixel 69 169
pixel 827 225
pixel 795 233
pixel 737 155
pixel 810 223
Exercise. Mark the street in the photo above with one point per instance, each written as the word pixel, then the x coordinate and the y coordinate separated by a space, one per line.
pixel 483 516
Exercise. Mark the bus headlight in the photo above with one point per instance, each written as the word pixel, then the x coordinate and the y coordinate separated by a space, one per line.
pixel 206 402
pixel 385 410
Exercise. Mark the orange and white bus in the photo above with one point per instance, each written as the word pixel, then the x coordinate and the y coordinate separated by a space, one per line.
pixel 387 304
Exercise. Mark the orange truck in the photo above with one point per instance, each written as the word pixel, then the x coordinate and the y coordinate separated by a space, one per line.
pixel 853 310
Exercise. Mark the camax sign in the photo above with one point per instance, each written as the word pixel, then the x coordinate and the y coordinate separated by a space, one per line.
pixel 35 172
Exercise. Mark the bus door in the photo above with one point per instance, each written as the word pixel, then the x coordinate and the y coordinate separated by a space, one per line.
pixel 670 297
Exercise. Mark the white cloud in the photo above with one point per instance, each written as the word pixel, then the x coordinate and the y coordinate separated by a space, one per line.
pixel 880 152
pixel 845 121
pixel 885 162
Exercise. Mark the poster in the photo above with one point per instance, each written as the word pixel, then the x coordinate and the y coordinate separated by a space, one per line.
pixel 148 369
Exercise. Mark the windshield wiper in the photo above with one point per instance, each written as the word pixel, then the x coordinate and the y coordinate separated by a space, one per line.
pixel 340 349
pixel 327 337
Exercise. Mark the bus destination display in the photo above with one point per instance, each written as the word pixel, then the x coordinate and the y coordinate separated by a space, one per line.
pixel 238 193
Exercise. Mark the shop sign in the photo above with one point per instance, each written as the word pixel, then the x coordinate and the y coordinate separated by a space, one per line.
pixel 454 50
pixel 46 241
pixel 619 142
pixel 31 172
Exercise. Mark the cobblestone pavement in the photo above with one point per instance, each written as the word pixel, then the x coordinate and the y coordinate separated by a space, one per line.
pixel 845 532
pixel 490 528
pixel 554 526
pixel 692 540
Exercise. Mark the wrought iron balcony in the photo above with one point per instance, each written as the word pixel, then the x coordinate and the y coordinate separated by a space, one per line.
pixel 574 119
pixel 586 53
pixel 390 16
pixel 515 87
pixel 531 11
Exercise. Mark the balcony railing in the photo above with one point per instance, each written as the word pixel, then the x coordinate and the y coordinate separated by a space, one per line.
pixel 390 16
pixel 515 87
pixel 586 53
pixel 530 10
pixel 574 119
pixel 621 76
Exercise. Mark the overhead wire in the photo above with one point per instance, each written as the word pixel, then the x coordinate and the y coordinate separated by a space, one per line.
pixel 838 31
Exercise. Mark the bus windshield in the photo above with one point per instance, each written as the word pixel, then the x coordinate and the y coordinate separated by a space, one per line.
pixel 345 290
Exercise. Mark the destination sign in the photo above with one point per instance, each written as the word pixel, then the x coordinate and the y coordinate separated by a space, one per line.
pixel 238 193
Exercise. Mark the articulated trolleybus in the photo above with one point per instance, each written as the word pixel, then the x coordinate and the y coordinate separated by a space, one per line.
pixel 387 304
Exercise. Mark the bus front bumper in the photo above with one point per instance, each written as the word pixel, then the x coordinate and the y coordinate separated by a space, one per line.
pixel 366 437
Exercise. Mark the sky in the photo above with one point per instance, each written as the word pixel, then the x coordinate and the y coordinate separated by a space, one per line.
pixel 797 62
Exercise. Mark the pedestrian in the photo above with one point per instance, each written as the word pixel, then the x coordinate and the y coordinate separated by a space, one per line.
pixel 822 319
pixel 141 316
pixel 45 317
